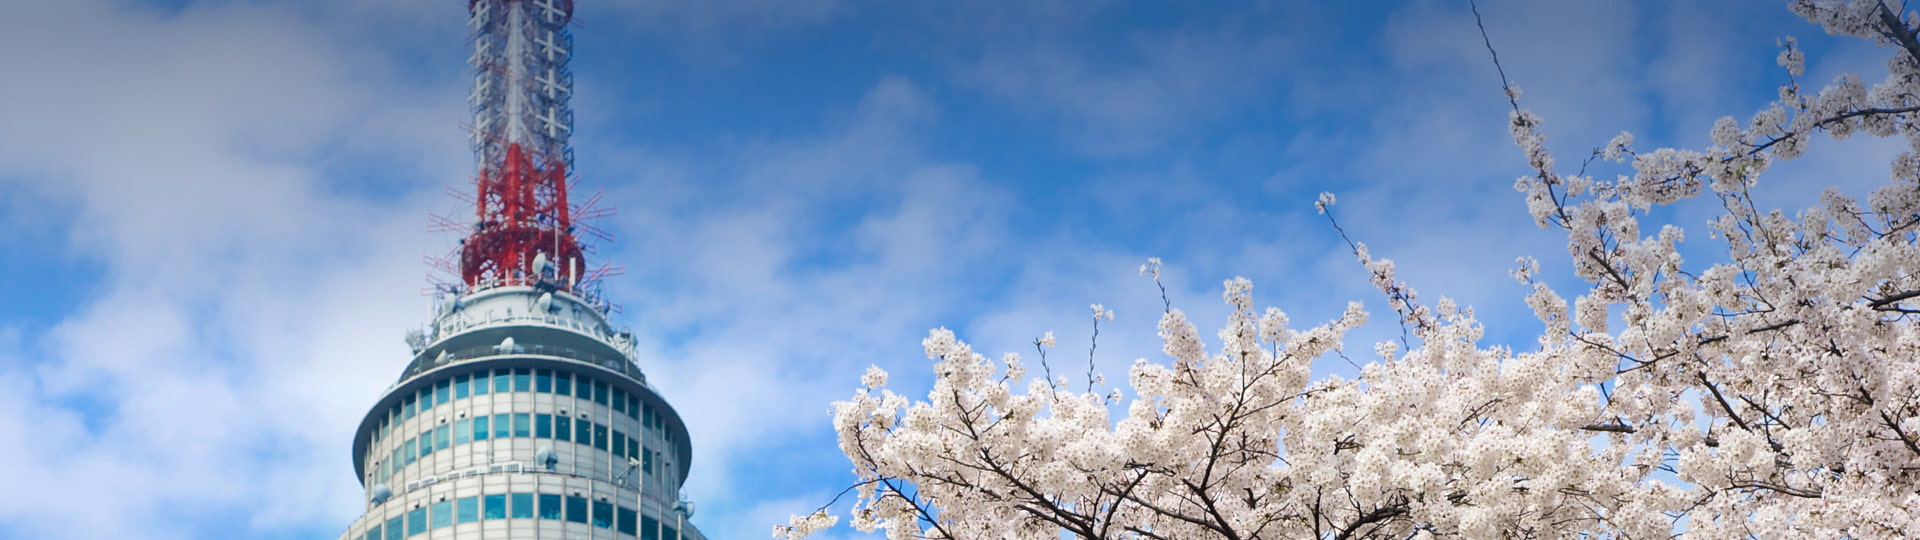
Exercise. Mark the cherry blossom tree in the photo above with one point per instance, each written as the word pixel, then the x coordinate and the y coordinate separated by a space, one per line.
pixel 1774 394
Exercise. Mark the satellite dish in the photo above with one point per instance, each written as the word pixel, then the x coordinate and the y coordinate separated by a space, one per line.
pixel 546 458
pixel 685 508
pixel 506 345
pixel 544 303
pixel 381 493
pixel 541 264
pixel 452 303
pixel 442 359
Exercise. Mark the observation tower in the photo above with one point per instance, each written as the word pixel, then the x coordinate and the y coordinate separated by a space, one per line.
pixel 522 413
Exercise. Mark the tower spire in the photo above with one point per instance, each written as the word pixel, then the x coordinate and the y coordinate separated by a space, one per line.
pixel 524 227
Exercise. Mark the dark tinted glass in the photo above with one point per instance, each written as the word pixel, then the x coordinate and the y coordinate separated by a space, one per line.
pixel 576 510
pixel 480 429
pixel 496 506
pixel 550 506
pixel 602 515
pixel 523 505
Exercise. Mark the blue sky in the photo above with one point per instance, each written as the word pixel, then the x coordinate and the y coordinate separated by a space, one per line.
pixel 216 210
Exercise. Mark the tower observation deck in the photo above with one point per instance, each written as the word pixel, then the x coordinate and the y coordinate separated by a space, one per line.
pixel 522 413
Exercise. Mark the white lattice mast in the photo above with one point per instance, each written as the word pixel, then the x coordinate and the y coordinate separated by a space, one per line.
pixel 524 228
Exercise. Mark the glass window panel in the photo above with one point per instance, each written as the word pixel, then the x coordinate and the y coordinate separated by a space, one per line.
pixel 523 424
pixel 600 392
pixel 543 426
pixel 576 510
pixel 480 385
pixel 646 462
pixel 441 439
pixel 523 505
pixel 501 426
pixel 410 452
pixel 463 432
pixel 602 515
pixel 667 532
pixel 584 388
pixel 394 531
pixel 619 401
pixel 441 392
pixel 626 522
pixel 633 446
pixel 646 417
pixel 416 521
pixel 619 444
pixel 502 381
pixel 426 443
pixel 442 514
pixel 426 398
pixel 373 533
pixel 406 408
pixel 543 381
pixel 562 428
pixel 563 384
pixel 549 506
pixel 633 407
pixel 600 436
pixel 649 528
pixel 480 428
pixel 583 432
pixel 469 509
pixel 496 506
pixel 522 380
pixel 460 387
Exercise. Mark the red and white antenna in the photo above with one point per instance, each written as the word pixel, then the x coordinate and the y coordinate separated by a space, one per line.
pixel 524 229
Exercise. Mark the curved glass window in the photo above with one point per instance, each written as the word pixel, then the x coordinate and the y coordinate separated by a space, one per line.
pixel 480 384
pixel 649 529
pixel 460 387
pixel 523 505
pixel 373 533
pixel 442 514
pixel 480 428
pixel 625 521
pixel 563 384
pixel 543 426
pixel 550 506
pixel 416 521
pixel 576 510
pixel 469 509
pixel 463 432
pixel 522 425
pixel 393 528
pixel 442 391
pixel 603 515
pixel 562 428
pixel 543 381
pixel 496 506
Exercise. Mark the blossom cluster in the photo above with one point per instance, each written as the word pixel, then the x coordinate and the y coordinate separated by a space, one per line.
pixel 1774 394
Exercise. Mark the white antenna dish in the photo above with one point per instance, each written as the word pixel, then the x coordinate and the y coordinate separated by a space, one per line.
pixel 544 303
pixel 381 493
pixel 506 345
pixel 546 458
pixel 541 264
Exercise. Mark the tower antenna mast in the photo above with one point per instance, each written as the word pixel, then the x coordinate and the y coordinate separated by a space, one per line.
pixel 523 230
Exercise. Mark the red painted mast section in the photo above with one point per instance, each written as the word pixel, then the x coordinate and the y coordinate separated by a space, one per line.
pixel 521 126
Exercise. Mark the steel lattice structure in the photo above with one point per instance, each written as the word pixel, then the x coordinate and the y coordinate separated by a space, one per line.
pixel 521 123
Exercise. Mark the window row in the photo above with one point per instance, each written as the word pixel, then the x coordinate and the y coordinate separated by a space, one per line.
pixel 544 381
pixel 545 506
pixel 505 425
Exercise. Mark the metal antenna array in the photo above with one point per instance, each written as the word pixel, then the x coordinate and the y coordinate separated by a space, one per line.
pixel 524 228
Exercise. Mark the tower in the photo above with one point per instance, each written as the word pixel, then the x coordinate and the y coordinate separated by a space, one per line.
pixel 522 413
